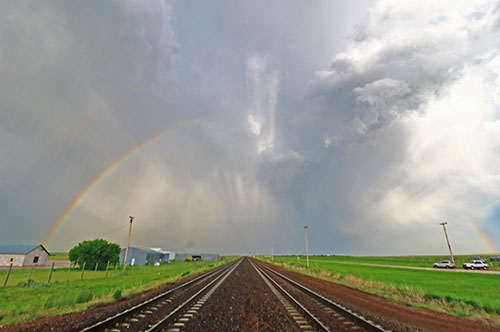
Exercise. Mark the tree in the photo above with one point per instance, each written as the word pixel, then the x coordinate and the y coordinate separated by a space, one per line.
pixel 95 251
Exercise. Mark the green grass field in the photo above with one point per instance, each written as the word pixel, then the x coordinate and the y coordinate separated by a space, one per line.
pixel 461 294
pixel 58 275
pixel 417 261
pixel 58 256
pixel 20 302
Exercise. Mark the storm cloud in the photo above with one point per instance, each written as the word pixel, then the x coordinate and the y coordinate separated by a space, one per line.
pixel 370 122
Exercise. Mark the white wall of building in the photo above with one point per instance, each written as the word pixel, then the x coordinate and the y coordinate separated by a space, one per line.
pixel 16 260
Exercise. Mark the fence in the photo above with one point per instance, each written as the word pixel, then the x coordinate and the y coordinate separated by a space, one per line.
pixel 60 274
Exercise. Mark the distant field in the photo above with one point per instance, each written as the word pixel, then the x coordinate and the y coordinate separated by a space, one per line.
pixel 58 256
pixel 19 302
pixel 461 294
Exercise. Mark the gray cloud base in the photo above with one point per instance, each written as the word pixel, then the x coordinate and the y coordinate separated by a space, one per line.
pixel 349 149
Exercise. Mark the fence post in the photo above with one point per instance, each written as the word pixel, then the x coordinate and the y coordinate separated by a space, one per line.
pixel 29 277
pixel 7 277
pixel 67 276
pixel 50 275
pixel 83 270
pixel 107 268
pixel 95 271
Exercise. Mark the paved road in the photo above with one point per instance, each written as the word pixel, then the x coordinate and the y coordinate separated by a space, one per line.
pixel 409 267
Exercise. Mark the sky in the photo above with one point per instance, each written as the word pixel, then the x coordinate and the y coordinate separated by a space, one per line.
pixel 226 126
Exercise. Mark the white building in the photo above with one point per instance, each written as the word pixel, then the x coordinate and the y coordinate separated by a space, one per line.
pixel 170 255
pixel 22 254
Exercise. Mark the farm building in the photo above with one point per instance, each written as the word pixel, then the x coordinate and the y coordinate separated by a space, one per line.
pixel 197 256
pixel 22 254
pixel 168 255
pixel 138 256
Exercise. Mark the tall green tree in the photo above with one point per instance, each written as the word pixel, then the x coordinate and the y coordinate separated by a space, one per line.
pixel 95 251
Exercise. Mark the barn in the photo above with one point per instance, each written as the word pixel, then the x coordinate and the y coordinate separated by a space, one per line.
pixel 23 254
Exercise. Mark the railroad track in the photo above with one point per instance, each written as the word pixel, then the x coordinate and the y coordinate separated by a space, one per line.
pixel 167 311
pixel 313 311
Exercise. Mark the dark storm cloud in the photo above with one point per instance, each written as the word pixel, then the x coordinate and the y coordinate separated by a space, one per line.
pixel 264 136
pixel 76 79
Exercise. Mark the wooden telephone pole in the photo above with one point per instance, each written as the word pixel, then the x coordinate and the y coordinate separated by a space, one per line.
pixel 128 244
pixel 307 247
pixel 447 241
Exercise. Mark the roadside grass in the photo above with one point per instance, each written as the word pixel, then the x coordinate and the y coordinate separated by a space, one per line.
pixel 418 261
pixel 460 294
pixel 22 302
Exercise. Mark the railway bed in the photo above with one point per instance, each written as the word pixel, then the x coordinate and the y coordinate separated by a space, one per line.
pixel 243 303
pixel 313 311
pixel 155 313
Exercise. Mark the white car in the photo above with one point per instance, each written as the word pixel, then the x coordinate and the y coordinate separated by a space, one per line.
pixel 444 264
pixel 475 264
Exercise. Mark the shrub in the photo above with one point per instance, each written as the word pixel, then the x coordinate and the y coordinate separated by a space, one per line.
pixel 117 294
pixel 84 297
pixel 49 303
pixel 94 252
pixel 32 284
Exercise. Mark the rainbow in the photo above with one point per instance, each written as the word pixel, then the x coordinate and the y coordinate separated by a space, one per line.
pixel 66 214
pixel 482 235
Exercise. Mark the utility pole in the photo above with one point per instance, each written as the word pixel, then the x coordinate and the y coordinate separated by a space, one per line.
pixel 307 247
pixel 272 253
pixel 447 241
pixel 128 244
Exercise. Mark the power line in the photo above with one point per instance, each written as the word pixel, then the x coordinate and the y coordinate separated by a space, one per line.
pixel 114 230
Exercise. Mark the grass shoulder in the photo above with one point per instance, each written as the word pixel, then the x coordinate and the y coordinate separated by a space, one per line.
pixel 23 302
pixel 462 294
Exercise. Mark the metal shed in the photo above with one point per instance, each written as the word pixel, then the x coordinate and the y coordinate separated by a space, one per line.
pixel 166 255
pixel 139 256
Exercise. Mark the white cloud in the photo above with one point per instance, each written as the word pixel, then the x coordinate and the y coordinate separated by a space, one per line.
pixel 330 139
pixel 453 159
pixel 420 79
pixel 405 54
pixel 382 98
pixel 263 96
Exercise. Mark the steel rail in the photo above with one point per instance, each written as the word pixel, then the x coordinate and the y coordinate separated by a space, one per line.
pixel 158 326
pixel 346 312
pixel 101 325
pixel 310 316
